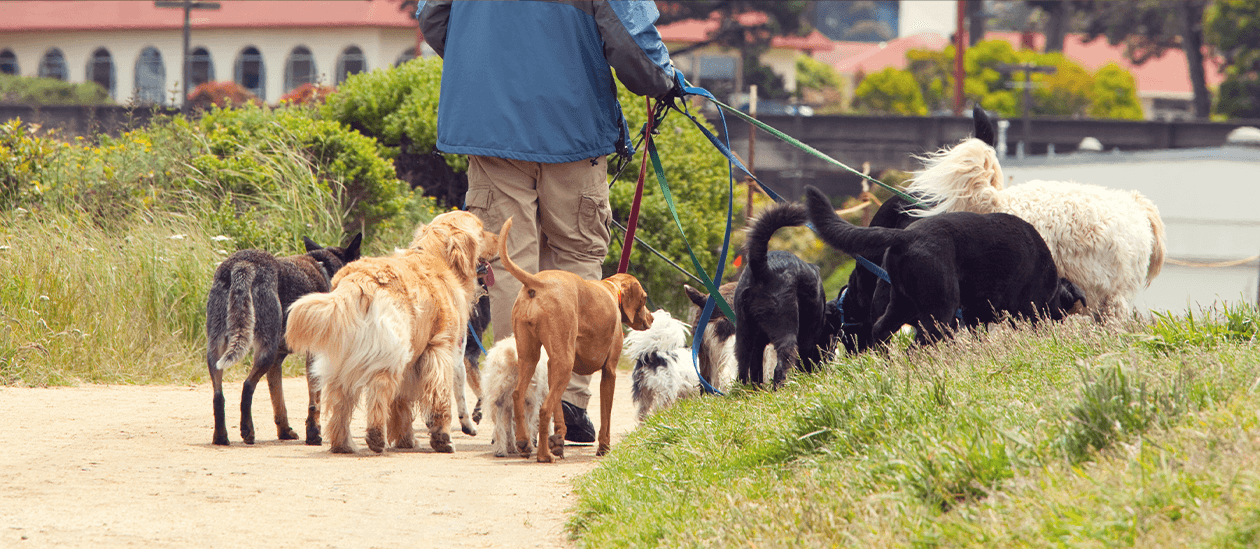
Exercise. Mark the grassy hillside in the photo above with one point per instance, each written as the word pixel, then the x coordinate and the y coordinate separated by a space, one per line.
pixel 1065 435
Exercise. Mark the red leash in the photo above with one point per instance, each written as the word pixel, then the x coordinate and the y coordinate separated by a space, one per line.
pixel 628 243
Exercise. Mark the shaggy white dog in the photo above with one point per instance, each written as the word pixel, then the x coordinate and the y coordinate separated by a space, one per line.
pixel 498 381
pixel 1108 242
pixel 663 372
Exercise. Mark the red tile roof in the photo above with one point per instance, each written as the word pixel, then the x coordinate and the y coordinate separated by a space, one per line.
pixel 852 57
pixel 114 15
pixel 692 31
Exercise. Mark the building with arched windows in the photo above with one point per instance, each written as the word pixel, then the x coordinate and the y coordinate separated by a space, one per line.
pixel 134 49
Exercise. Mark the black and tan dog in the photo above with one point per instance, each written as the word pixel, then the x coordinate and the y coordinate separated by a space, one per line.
pixel 952 268
pixel 247 307
pixel 779 301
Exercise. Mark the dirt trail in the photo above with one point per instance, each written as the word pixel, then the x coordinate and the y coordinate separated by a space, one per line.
pixel 113 466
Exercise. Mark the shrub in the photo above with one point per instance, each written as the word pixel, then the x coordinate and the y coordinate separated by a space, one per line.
pixel 50 91
pixel 890 91
pixel 307 94
pixel 220 94
pixel 23 160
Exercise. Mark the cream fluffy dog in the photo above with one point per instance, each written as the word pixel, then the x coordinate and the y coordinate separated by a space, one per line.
pixel 1108 242
pixel 394 326
pixel 499 380
pixel 663 371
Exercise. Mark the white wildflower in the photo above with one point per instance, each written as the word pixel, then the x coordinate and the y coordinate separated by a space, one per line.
pixel 220 238
pixel 178 236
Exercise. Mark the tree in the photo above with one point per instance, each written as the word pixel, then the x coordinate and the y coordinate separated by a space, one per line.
pixel 1233 27
pixel 1148 28
pixel 1058 16
pixel 891 91
pixel 744 25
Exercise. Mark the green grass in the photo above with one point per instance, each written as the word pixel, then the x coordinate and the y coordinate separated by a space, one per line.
pixel 1070 434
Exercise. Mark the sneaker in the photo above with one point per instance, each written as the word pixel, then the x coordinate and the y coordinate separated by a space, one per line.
pixel 577 424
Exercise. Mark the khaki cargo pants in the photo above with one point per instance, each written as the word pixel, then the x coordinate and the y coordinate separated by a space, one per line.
pixel 560 221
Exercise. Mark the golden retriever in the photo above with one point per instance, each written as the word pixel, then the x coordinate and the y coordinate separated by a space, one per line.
pixel 394 326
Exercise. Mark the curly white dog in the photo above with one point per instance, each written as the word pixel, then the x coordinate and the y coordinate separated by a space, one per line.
pixel 498 381
pixel 1108 242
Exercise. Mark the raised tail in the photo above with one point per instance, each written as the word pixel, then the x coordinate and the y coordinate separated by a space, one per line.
pixel 240 315
pixel 786 214
pixel 840 234
pixel 1157 227
pixel 529 280
pixel 965 178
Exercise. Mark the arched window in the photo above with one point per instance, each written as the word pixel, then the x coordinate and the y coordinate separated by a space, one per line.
pixel 407 55
pixel 201 68
pixel 150 77
pixel 250 72
pixel 100 69
pixel 351 61
pixel 8 63
pixel 299 68
pixel 53 65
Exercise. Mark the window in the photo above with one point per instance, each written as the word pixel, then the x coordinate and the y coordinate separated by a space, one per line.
pixel 407 55
pixel 351 61
pixel 8 63
pixel 53 65
pixel 299 68
pixel 200 68
pixel 100 69
pixel 150 77
pixel 250 72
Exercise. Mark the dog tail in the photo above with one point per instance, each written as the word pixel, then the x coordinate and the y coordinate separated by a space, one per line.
pixel 966 178
pixel 840 234
pixel 1157 227
pixel 529 280
pixel 240 315
pixel 787 214
pixel 326 323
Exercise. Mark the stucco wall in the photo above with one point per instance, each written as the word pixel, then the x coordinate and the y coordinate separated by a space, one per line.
pixel 380 46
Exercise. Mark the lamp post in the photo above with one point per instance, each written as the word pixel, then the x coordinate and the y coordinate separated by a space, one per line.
pixel 187 6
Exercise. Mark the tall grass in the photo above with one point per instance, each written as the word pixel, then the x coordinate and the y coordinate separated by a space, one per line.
pixel 1069 434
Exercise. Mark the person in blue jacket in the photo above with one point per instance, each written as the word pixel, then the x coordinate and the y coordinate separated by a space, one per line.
pixel 528 95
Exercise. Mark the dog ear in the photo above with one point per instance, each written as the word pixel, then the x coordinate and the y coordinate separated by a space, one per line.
pixel 983 126
pixel 695 296
pixel 461 253
pixel 352 250
pixel 310 244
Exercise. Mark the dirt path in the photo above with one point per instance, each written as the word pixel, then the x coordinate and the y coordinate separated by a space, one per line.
pixel 113 466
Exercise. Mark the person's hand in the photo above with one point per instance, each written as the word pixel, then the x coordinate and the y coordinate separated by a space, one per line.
pixel 680 82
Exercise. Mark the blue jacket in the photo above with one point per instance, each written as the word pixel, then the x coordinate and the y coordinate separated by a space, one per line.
pixel 530 80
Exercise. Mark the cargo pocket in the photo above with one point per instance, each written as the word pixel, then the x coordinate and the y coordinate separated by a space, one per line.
pixel 478 202
pixel 594 215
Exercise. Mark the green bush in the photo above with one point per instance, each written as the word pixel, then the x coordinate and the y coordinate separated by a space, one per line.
pixel 23 160
pixel 890 91
pixel 50 91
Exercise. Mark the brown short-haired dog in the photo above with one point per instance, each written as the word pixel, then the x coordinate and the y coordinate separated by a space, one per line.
pixel 578 322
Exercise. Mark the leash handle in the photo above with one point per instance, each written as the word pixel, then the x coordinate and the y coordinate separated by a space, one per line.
pixel 631 224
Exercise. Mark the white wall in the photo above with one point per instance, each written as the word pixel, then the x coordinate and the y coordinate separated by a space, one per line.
pixel 916 16
pixel 380 46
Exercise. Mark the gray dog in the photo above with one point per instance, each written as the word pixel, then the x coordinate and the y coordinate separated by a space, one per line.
pixel 248 306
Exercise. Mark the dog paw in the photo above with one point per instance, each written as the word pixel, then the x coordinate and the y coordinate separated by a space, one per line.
pixel 556 444
pixel 468 429
pixel 376 439
pixel 312 435
pixel 603 449
pixel 544 457
pixel 441 442
pixel 287 433
pixel 220 438
pixel 342 449
pixel 523 448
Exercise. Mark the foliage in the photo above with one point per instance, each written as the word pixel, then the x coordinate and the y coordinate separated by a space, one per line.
pixel 1233 27
pixel 890 91
pixel 697 177
pixel 812 74
pixel 340 159
pixel 1069 91
pixel 50 91
pixel 398 107
pixel 23 159
pixel 307 94
pixel 220 94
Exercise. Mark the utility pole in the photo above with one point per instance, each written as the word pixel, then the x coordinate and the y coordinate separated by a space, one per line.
pixel 960 46
pixel 188 6
pixel 1027 84
pixel 752 149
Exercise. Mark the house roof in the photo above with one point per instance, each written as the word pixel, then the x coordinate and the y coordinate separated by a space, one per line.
pixel 692 31
pixel 852 57
pixel 114 15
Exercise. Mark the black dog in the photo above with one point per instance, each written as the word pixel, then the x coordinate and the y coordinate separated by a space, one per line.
pixel 952 267
pixel 249 306
pixel 779 301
